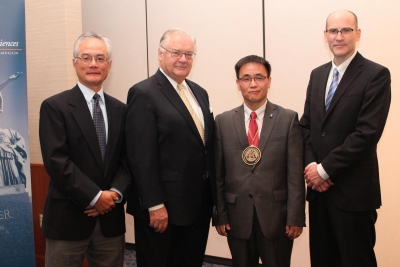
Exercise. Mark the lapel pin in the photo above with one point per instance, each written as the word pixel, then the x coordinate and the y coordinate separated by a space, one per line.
pixel 271 115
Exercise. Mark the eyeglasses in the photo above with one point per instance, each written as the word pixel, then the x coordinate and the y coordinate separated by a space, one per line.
pixel 343 31
pixel 248 79
pixel 86 58
pixel 178 54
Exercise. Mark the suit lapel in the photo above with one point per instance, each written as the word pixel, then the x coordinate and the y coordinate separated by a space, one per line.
pixel 270 116
pixel 113 130
pixel 321 83
pixel 170 92
pixel 349 76
pixel 238 122
pixel 81 114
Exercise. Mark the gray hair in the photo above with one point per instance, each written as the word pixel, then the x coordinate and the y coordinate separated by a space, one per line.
pixel 167 34
pixel 88 35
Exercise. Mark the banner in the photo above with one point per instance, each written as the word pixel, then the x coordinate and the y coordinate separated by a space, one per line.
pixel 16 224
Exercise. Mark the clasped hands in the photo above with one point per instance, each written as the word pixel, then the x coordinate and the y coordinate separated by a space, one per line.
pixel 314 180
pixel 104 204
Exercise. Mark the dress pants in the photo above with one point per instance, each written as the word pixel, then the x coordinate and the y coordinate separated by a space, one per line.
pixel 100 251
pixel 340 238
pixel 177 246
pixel 247 252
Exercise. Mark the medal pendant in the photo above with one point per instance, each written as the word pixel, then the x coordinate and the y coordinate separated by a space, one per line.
pixel 251 155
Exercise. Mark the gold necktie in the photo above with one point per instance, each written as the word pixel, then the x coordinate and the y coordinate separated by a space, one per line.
pixel 191 111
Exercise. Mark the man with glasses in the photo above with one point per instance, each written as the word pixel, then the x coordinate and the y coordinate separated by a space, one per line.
pixel 170 147
pixel 82 140
pixel 344 116
pixel 259 159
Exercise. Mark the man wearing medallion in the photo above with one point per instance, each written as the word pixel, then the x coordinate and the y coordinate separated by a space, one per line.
pixel 260 201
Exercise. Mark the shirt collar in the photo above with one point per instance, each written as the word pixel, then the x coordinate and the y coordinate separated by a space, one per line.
pixel 260 111
pixel 89 93
pixel 172 81
pixel 342 67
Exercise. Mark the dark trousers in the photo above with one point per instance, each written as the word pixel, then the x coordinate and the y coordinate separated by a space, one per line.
pixel 247 252
pixel 340 238
pixel 178 246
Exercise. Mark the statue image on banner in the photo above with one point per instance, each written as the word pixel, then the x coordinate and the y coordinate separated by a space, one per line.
pixel 17 245
pixel 12 153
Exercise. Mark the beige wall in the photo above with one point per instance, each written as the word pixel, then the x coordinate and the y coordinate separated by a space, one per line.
pixel 226 31
pixel 51 30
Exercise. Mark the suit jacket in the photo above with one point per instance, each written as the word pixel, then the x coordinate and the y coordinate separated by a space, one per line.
pixel 344 138
pixel 72 158
pixel 275 185
pixel 167 158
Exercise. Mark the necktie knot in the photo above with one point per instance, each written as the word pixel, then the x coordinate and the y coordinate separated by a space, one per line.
pixel 335 72
pixel 253 115
pixel 96 97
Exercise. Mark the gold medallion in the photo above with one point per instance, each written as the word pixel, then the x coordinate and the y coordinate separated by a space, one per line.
pixel 251 155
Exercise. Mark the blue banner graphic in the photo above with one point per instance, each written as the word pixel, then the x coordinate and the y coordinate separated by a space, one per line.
pixel 16 225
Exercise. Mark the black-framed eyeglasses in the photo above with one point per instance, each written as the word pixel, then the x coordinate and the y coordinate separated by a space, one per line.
pixel 343 31
pixel 178 54
pixel 86 58
pixel 248 79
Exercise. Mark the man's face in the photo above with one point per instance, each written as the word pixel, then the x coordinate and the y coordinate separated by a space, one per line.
pixel 342 45
pixel 176 68
pixel 254 91
pixel 93 73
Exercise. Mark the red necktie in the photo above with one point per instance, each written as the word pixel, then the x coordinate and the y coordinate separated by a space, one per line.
pixel 252 135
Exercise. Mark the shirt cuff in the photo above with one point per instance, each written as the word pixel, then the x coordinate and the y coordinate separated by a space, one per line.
pixel 119 200
pixel 156 207
pixel 93 202
pixel 322 172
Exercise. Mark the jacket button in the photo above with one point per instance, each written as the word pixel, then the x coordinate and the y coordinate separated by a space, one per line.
pixel 323 134
pixel 250 196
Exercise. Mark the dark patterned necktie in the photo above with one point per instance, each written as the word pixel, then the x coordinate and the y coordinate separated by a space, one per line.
pixel 99 124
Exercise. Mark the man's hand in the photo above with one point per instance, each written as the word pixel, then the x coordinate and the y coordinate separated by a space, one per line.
pixel 159 219
pixel 106 203
pixel 91 211
pixel 325 186
pixel 221 229
pixel 312 177
pixel 293 232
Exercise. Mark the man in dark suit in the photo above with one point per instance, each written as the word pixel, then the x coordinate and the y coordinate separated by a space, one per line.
pixel 169 138
pixel 84 157
pixel 345 112
pixel 260 186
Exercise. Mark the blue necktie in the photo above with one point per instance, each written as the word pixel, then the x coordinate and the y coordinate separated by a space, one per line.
pixel 99 124
pixel 332 88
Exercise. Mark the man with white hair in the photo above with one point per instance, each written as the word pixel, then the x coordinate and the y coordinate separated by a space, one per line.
pixel 170 147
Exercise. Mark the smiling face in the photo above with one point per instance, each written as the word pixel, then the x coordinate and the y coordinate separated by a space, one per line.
pixel 176 68
pixel 92 74
pixel 342 45
pixel 254 92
